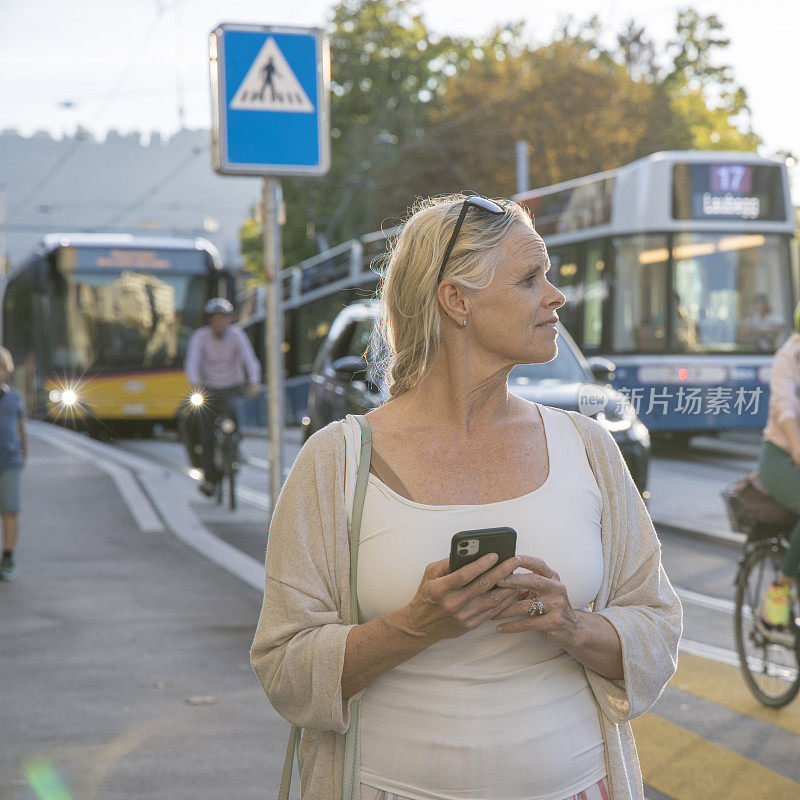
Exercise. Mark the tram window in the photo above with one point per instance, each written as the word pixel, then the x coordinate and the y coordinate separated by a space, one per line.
pixel 640 302
pixel 730 293
pixel 565 266
pixel 595 295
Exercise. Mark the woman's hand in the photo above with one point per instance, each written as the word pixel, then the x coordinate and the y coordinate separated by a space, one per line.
pixel 448 605
pixel 559 623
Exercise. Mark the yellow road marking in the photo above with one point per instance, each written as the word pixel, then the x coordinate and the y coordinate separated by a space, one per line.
pixel 724 685
pixel 685 766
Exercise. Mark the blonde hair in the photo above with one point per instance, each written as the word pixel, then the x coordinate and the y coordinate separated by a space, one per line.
pixel 6 360
pixel 410 321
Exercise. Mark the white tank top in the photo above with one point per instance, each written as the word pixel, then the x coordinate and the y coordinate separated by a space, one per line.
pixel 485 715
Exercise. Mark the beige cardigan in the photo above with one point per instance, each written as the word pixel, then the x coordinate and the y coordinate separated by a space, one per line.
pixel 299 645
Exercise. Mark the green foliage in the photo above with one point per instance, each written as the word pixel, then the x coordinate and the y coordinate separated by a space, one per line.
pixel 415 114
pixel 703 93
pixel 251 242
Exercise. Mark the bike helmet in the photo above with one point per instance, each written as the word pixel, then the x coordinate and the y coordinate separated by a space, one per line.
pixel 218 305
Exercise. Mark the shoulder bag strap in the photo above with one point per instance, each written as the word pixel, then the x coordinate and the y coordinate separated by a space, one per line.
pixel 288 762
pixel 351 739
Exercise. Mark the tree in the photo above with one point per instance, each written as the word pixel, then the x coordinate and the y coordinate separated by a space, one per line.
pixel 704 93
pixel 637 52
pixel 414 114
pixel 580 110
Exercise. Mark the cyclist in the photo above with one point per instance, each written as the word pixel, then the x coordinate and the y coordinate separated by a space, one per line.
pixel 779 464
pixel 219 360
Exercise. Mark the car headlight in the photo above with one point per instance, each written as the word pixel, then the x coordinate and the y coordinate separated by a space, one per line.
pixel 641 433
pixel 197 399
pixel 614 425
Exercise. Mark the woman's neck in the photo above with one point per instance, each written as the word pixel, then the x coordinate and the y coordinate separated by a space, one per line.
pixel 459 400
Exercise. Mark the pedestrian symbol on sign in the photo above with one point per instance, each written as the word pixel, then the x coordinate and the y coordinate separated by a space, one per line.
pixel 270 84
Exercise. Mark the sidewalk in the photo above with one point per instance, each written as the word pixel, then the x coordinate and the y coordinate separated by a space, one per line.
pixel 126 651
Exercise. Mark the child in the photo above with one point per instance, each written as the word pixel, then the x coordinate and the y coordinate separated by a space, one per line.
pixel 13 451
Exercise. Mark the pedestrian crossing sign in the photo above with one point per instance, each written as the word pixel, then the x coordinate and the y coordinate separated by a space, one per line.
pixel 270 91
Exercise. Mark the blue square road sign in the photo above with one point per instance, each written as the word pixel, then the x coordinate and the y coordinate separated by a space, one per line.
pixel 270 98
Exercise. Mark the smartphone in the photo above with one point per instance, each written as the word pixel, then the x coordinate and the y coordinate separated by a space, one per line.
pixel 469 546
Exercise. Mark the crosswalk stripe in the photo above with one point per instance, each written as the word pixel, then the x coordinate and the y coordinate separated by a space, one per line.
pixel 678 763
pixel 725 686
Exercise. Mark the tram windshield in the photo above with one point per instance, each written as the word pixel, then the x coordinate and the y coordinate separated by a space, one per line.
pixel 114 321
pixel 728 293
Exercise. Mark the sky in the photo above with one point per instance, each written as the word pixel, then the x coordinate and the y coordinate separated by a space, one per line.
pixel 143 64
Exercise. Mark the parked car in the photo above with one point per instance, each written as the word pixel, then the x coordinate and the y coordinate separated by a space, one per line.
pixel 342 383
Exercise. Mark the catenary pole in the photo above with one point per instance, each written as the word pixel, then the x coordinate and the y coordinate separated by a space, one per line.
pixel 273 330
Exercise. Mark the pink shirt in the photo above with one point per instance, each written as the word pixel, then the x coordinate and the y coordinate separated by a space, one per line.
pixel 784 388
pixel 221 362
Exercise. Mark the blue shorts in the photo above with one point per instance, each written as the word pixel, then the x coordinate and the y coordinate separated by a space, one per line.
pixel 10 480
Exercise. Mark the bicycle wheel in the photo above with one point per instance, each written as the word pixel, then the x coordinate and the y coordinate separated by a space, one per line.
pixel 768 658
pixel 232 467
pixel 219 463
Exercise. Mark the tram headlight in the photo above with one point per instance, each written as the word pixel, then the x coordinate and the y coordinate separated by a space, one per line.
pixel 196 399
pixel 228 426
pixel 64 397
pixel 69 397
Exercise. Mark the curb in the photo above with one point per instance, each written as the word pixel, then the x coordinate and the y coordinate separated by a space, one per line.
pixel 735 541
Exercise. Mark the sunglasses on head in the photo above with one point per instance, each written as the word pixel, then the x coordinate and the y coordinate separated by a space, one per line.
pixel 473 201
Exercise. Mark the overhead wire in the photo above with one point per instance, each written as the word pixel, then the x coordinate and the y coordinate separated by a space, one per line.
pixel 75 143
pixel 197 150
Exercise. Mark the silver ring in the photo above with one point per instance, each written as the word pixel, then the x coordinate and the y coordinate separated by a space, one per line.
pixel 537 608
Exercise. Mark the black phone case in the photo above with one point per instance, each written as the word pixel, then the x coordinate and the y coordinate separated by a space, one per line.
pixel 502 541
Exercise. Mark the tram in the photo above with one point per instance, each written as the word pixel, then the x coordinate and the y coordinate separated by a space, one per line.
pixel 98 326
pixel 681 268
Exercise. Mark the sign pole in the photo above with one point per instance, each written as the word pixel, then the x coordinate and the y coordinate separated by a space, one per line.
pixel 273 328
pixel 270 92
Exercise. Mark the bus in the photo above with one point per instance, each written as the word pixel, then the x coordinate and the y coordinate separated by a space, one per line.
pixel 681 269
pixel 98 326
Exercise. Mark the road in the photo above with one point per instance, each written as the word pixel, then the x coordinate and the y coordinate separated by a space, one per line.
pixel 706 737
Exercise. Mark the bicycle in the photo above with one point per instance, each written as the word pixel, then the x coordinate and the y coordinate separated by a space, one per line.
pixel 226 457
pixel 226 445
pixel 769 657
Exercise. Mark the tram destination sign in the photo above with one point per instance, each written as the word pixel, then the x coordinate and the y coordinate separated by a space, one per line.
pixel 727 191
pixel 270 100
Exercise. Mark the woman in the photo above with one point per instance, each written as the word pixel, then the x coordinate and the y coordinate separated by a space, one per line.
pixel 779 464
pixel 488 682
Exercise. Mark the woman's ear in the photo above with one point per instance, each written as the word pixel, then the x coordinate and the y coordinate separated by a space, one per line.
pixel 454 302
